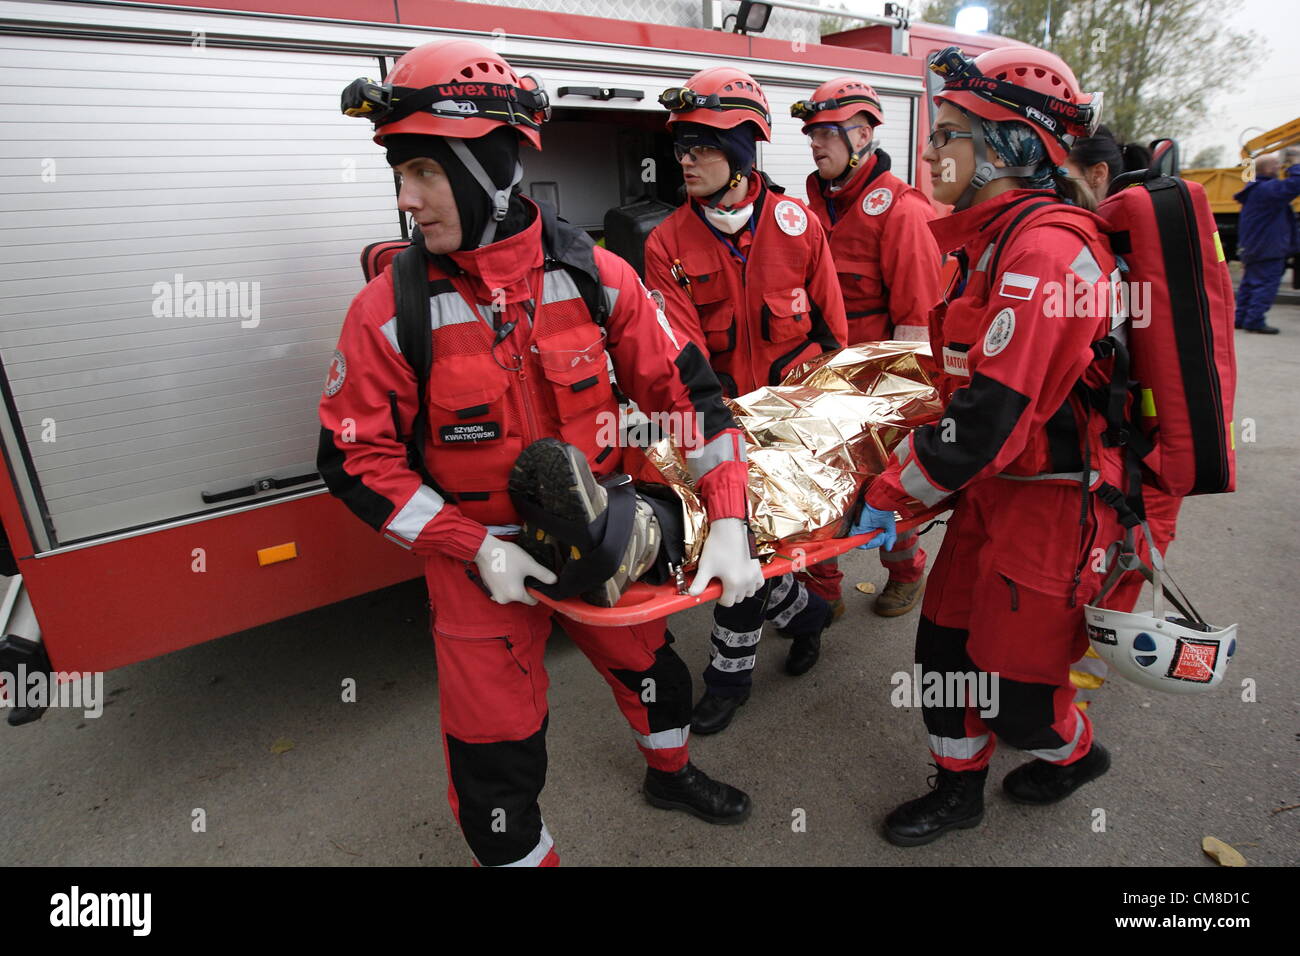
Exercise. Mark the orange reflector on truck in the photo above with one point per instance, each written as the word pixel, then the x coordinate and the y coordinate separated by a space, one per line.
pixel 281 552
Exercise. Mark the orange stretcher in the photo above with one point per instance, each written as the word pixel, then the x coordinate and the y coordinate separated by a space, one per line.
pixel 650 602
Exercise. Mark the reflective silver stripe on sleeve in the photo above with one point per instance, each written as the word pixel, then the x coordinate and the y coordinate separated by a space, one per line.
pixel 906 447
pixel 389 329
pixel 984 259
pixel 723 448
pixel 558 286
pixel 958 748
pixel 538 853
pixel 611 296
pixel 664 739
pixel 797 605
pixel 1075 476
pixel 1085 266
pixel 1057 754
pixel 736 638
pixel 918 486
pixel 416 513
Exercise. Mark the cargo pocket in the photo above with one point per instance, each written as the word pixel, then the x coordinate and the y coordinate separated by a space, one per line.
pixel 785 315
pixel 577 368
pixel 468 429
pixel 860 281
pixel 717 311
pixel 487 690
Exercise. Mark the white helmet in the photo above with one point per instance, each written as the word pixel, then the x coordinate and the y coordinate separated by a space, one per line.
pixel 1178 655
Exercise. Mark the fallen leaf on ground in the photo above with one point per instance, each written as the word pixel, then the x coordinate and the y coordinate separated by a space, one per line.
pixel 283 745
pixel 866 587
pixel 1221 853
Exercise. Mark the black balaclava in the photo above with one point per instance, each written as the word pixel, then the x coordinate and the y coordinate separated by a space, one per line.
pixel 738 143
pixel 498 154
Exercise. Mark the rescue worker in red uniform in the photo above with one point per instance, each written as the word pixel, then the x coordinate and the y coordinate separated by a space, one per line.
pixel 888 265
pixel 746 275
pixel 1017 446
pixel 511 333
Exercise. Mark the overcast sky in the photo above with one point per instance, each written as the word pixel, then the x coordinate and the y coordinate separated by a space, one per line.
pixel 1267 97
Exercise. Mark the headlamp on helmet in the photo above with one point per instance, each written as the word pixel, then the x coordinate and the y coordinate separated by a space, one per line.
pixel 683 99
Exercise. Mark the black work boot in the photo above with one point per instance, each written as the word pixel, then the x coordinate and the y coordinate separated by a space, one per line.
pixel 1039 782
pixel 806 649
pixel 714 712
pixel 692 790
pixel 955 802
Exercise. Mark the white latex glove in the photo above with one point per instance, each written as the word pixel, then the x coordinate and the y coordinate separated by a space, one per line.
pixel 503 565
pixel 726 557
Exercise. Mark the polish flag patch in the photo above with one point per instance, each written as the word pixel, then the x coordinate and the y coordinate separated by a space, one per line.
pixel 1016 286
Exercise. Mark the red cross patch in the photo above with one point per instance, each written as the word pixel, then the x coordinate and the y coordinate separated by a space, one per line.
pixel 792 220
pixel 877 201
pixel 338 372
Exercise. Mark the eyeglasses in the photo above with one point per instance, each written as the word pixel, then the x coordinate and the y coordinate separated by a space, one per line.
pixel 940 138
pixel 698 154
pixel 824 134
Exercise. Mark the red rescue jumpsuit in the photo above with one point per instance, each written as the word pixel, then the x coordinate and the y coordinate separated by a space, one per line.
pixel 548 377
pixel 888 265
pixel 1007 590
pixel 757 303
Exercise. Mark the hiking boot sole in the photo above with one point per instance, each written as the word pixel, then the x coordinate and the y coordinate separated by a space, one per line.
pixel 899 839
pixel 665 804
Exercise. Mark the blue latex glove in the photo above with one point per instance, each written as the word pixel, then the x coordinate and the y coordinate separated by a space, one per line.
pixel 873 519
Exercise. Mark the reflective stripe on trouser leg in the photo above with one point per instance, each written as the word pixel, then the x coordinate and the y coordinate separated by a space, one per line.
pixel 959 738
pixel 734 640
pixel 651 684
pixel 493 791
pixel 1040 719
pixel 906 562
pixel 1086 676
pixel 795 609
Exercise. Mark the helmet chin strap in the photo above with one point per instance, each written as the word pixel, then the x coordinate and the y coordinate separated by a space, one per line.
pixel 500 197
pixel 714 200
pixel 856 158
pixel 985 171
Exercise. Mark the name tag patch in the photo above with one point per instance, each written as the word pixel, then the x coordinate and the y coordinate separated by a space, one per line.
pixel 478 431
pixel 955 362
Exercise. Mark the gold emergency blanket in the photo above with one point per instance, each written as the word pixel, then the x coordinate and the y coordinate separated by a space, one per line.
pixel 814 440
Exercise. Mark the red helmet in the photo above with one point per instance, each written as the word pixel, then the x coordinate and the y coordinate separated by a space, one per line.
pixel 838 100
pixel 722 97
pixel 1022 84
pixel 456 88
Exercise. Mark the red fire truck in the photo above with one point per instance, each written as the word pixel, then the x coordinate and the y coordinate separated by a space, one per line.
pixel 183 210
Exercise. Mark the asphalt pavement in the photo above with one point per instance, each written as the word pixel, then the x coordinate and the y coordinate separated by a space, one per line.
pixel 252 730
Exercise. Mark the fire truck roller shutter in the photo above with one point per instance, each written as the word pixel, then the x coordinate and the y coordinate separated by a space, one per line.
pixel 180 232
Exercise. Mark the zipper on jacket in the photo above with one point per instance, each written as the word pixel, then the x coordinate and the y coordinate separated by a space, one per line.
pixel 1015 594
pixel 510 648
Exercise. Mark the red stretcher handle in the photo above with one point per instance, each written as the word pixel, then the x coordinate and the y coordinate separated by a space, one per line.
pixel 650 602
